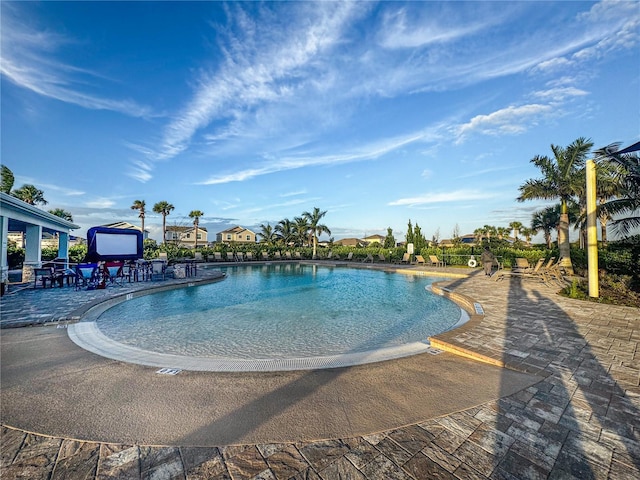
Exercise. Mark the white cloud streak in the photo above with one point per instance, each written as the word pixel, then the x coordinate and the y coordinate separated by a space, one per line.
pixel 442 197
pixel 29 61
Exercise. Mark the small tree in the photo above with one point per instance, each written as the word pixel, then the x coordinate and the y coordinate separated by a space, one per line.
pixel 389 240
pixel 7 179
pixel 409 236
pixel 455 235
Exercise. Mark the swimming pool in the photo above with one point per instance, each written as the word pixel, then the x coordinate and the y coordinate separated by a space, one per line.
pixel 279 312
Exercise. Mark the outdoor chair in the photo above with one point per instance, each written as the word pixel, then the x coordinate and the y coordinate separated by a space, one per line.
pixel 288 255
pixel 350 256
pixel 217 257
pixel 249 256
pixel 276 255
pixel 298 256
pixel 435 261
pixel 406 258
pixel 264 254
pixel 381 258
pixel 113 272
pixel 163 256
pixel 158 269
pixel 420 260
pixel 197 257
pixel 523 273
pixel 231 257
pixel 44 275
pixel 368 258
pixel 87 275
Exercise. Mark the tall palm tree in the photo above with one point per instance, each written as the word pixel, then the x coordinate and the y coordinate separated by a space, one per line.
pixel 196 214
pixel 285 229
pixel 30 194
pixel 315 226
pixel 59 212
pixel 562 177
pixel 164 208
pixel 7 179
pixel 140 206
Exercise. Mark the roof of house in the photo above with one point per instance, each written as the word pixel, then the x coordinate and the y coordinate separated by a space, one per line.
pixel 123 225
pixel 375 237
pixel 176 228
pixel 238 229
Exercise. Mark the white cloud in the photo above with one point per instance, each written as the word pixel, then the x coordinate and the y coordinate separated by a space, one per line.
pixel 510 120
pixel 559 94
pixel 28 61
pixel 264 64
pixel 365 152
pixel 100 202
pixel 442 197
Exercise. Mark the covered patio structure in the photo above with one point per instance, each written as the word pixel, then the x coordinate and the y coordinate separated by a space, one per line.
pixel 18 216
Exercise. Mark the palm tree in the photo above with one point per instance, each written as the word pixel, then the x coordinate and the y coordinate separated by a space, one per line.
pixel 315 227
pixel 285 230
pixel 562 178
pixel 140 206
pixel 478 235
pixel 30 194
pixel 502 232
pixel 59 212
pixel 626 169
pixel 515 226
pixel 196 214
pixel 164 208
pixel 7 179
pixel 301 227
pixel 546 220
pixel 268 234
pixel 527 233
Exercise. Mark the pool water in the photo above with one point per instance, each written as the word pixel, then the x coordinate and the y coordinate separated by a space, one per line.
pixel 278 311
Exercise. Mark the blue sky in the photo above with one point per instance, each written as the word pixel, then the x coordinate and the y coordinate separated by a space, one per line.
pixel 254 112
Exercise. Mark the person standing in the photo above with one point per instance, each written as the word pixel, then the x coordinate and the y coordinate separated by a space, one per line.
pixel 487 259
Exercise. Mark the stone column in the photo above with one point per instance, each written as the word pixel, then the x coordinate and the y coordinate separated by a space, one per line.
pixel 32 251
pixel 63 247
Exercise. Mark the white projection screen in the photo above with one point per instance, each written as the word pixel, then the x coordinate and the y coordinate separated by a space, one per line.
pixel 114 245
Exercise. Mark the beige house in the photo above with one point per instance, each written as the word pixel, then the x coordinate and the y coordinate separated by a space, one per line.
pixel 236 235
pixel 128 226
pixel 186 236
pixel 375 239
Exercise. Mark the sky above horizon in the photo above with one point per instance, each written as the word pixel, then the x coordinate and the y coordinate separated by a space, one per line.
pixel 378 113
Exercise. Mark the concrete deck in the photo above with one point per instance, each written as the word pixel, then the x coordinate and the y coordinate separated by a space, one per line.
pixel 580 419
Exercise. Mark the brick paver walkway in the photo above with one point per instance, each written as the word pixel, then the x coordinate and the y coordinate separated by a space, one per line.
pixel 582 421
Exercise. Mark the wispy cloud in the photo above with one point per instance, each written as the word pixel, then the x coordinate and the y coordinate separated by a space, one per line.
pixel 264 64
pixel 100 202
pixel 479 173
pixel 365 152
pixel 510 120
pixel 441 197
pixel 29 61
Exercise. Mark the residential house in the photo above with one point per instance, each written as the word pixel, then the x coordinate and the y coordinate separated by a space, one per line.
pixel 350 242
pixel 375 239
pixel 186 236
pixel 236 235
pixel 128 226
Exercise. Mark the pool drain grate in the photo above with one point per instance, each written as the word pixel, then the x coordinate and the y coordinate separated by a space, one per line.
pixel 169 371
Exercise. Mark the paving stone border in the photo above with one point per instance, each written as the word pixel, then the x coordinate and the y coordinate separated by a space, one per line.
pixel 582 421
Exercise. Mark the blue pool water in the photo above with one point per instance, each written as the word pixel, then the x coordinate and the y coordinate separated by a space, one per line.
pixel 283 311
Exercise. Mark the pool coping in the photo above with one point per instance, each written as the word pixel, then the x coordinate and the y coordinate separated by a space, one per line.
pixel 83 331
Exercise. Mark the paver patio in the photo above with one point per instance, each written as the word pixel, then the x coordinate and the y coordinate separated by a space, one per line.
pixel 582 421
